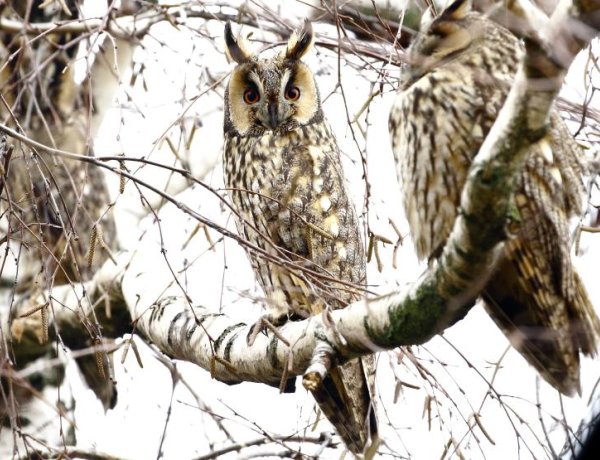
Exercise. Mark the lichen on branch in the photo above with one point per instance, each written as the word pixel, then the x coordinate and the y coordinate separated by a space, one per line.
pixel 443 294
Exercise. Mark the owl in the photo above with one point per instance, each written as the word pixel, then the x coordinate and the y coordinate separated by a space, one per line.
pixel 284 176
pixel 459 72
pixel 50 203
pixel 58 199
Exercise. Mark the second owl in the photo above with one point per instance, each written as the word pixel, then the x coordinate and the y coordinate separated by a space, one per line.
pixel 284 176
pixel 460 71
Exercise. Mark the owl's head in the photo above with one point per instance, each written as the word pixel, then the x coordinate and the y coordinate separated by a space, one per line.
pixel 456 33
pixel 276 94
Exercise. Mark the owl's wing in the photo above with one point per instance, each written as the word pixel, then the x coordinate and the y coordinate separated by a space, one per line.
pixel 312 222
pixel 535 296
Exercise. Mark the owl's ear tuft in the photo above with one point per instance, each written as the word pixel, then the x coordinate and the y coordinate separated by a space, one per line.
pixel 236 49
pixel 300 42
pixel 457 10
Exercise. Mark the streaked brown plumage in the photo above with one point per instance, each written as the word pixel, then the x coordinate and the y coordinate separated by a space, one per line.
pixel 59 199
pixel 51 203
pixel 284 176
pixel 460 71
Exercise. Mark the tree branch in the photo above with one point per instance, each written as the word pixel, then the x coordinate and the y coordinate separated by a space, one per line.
pixel 35 321
pixel 138 25
pixel 442 296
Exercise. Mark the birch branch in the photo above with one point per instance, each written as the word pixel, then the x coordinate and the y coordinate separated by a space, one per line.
pixel 446 291
pixel 70 312
pixel 442 296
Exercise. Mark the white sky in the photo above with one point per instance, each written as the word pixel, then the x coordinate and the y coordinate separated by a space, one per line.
pixel 136 127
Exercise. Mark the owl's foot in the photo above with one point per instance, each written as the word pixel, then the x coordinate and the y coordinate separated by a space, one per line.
pixel 265 322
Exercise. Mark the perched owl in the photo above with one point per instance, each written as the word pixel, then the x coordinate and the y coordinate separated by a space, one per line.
pixel 284 176
pixel 50 204
pixel 58 199
pixel 459 73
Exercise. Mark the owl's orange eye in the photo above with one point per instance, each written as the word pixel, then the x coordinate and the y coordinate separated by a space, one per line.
pixel 251 96
pixel 292 93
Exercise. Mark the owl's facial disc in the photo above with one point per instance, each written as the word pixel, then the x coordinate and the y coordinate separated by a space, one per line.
pixel 276 94
pixel 276 101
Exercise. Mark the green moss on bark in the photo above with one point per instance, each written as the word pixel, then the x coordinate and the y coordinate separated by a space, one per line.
pixel 414 320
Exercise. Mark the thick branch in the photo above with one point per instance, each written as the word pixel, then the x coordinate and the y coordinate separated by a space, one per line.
pixel 68 309
pixel 445 292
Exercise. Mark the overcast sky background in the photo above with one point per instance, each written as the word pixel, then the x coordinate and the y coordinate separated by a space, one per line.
pixel 137 125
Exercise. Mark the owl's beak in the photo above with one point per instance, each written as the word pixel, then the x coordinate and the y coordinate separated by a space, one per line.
pixel 270 115
pixel 273 120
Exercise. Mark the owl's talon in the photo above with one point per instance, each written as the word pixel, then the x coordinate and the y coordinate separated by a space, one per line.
pixel 266 322
pixel 257 328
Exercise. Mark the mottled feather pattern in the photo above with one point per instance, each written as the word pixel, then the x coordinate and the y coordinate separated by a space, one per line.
pixel 52 203
pixel 296 198
pixel 59 199
pixel 284 177
pixel 464 110
pixel 459 75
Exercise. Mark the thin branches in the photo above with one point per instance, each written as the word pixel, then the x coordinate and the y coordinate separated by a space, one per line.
pixel 149 291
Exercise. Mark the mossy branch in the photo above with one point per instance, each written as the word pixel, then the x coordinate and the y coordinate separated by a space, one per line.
pixel 442 296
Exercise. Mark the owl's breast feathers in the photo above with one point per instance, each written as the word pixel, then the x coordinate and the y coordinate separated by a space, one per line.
pixel 291 187
pixel 437 127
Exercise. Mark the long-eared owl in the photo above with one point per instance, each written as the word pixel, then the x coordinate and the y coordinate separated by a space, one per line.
pixel 284 176
pixel 58 199
pixel 459 72
pixel 50 204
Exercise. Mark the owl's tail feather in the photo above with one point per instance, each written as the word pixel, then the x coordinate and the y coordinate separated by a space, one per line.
pixel 103 387
pixel 344 396
pixel 547 326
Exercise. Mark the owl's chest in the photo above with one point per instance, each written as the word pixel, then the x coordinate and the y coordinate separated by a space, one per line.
pixel 437 127
pixel 276 169
pixel 284 184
